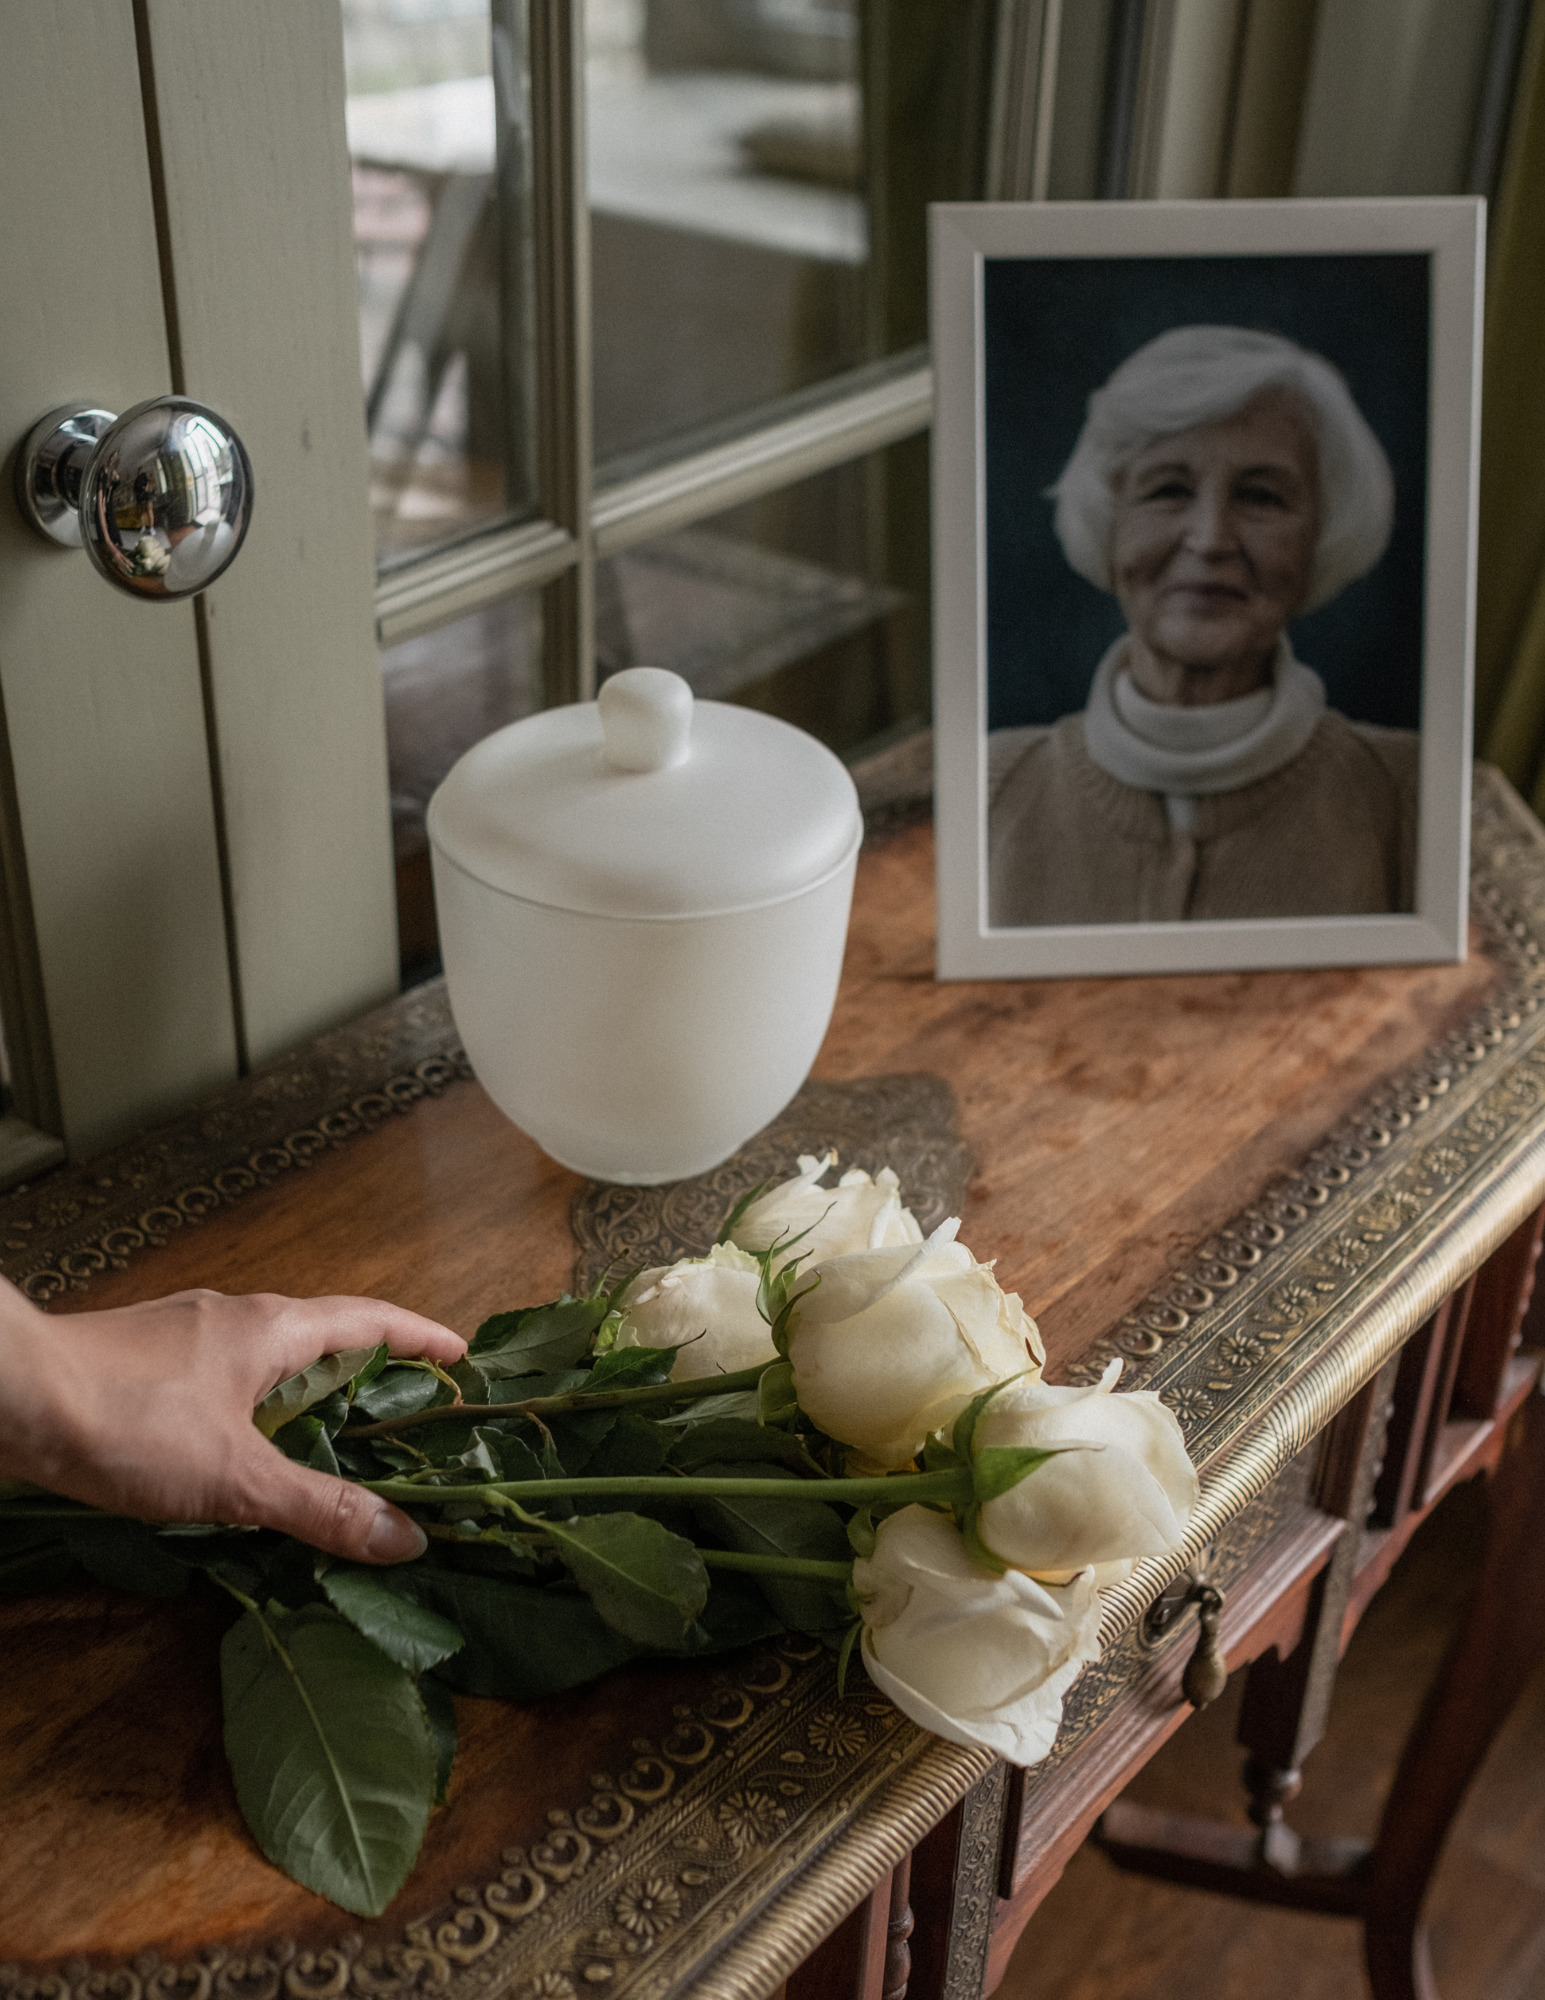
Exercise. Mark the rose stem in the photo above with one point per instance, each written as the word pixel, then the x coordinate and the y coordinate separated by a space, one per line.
pixel 953 1485
pixel 573 1399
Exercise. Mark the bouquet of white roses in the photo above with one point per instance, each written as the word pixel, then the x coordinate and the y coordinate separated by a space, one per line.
pixel 829 1423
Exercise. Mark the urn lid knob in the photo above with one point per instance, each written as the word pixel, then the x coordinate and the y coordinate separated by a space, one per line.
pixel 646 719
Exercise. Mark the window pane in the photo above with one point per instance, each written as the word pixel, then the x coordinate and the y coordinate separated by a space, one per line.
pixel 759 176
pixel 789 604
pixel 439 137
pixel 444 692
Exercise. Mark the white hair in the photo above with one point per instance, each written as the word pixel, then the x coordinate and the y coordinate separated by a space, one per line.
pixel 1201 375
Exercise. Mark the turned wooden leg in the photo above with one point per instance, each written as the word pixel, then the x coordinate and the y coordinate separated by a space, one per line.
pixel 1287 1700
pixel 1496 1649
pixel 898 1953
pixel 866 1957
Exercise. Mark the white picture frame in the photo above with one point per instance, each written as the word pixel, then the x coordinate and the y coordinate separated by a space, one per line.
pixel 1122 239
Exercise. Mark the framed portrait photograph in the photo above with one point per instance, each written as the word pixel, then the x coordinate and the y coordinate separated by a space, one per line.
pixel 1204 505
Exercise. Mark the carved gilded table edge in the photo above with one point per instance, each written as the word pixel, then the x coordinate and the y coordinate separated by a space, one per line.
pixel 60 1231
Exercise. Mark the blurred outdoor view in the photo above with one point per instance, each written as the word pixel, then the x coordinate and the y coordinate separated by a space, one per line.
pixel 729 234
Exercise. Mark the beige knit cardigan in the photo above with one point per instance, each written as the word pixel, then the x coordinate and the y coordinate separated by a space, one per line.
pixel 1333 833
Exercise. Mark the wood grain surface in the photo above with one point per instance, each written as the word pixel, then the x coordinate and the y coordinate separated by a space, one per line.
pixel 1114 1123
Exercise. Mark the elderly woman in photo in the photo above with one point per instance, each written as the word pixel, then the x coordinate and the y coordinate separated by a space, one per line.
pixel 1224 482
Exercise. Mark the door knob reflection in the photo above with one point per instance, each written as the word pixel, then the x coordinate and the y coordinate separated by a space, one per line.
pixel 159 498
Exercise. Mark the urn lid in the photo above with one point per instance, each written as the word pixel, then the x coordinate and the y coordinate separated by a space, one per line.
pixel 646 803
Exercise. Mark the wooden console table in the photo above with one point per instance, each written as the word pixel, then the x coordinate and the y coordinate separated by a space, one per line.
pixel 1301 1205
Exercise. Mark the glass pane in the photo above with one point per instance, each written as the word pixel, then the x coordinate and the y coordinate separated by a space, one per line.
pixel 439 137
pixel 444 692
pixel 787 604
pixel 746 158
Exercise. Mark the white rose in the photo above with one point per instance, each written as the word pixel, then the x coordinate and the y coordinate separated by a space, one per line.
pixel 1131 1497
pixel 892 1344
pixel 857 1214
pixel 974 1657
pixel 706 1306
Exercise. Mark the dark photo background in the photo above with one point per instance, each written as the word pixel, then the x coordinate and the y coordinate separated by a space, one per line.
pixel 1056 328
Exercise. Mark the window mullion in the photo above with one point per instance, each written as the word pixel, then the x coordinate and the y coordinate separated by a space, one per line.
pixel 563 375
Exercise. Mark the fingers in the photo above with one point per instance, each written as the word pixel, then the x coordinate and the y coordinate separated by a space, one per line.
pixel 307 1328
pixel 331 1514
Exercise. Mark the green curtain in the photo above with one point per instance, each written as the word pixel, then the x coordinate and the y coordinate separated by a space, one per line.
pixel 1510 623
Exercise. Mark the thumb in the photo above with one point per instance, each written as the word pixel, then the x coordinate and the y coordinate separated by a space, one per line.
pixel 331 1514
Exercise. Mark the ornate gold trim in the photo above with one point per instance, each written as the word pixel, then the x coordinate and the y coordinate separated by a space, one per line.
pixel 59 1232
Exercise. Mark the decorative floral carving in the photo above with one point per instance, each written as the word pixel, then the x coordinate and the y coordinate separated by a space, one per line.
pixel 835 1733
pixel 1347 1253
pixel 752 1819
pixel 649 1907
pixel 1288 1305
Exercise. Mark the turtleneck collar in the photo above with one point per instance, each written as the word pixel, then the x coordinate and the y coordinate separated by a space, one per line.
pixel 1193 752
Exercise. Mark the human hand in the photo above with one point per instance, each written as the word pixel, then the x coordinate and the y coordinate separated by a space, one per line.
pixel 146 1410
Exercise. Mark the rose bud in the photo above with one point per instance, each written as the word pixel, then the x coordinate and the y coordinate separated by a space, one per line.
pixel 974 1657
pixel 706 1307
pixel 857 1214
pixel 893 1343
pixel 1130 1495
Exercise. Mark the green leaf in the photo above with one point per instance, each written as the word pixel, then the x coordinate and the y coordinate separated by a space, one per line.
pixel 331 1753
pixel 647 1583
pixel 372 1368
pixel 965 1424
pixel 516 1458
pixel 471 1381
pixel 785 1528
pixel 406 1632
pixel 577 1435
pixel 976 1548
pixel 775 1399
pixel 630 1368
pixel 736 1614
pixel 740 1403
pixel 733 1441
pixel 727 1226
pixel 999 1468
pixel 538 1338
pixel 633 1446
pixel 524 1640
pixel 305 1440
pixel 290 1398
pixel 938 1454
pixel 850 1640
pixel 482 1454
pixel 397 1392
pixel 440 1714
pixel 127 1555
pixel 367 1461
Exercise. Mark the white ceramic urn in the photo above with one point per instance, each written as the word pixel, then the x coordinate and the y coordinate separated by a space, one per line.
pixel 643 902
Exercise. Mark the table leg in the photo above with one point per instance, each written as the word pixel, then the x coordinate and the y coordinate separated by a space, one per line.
pixel 954 1894
pixel 1464 1404
pixel 1496 1649
pixel 860 1958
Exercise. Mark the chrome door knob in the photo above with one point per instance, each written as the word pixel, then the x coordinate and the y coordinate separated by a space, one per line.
pixel 159 498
